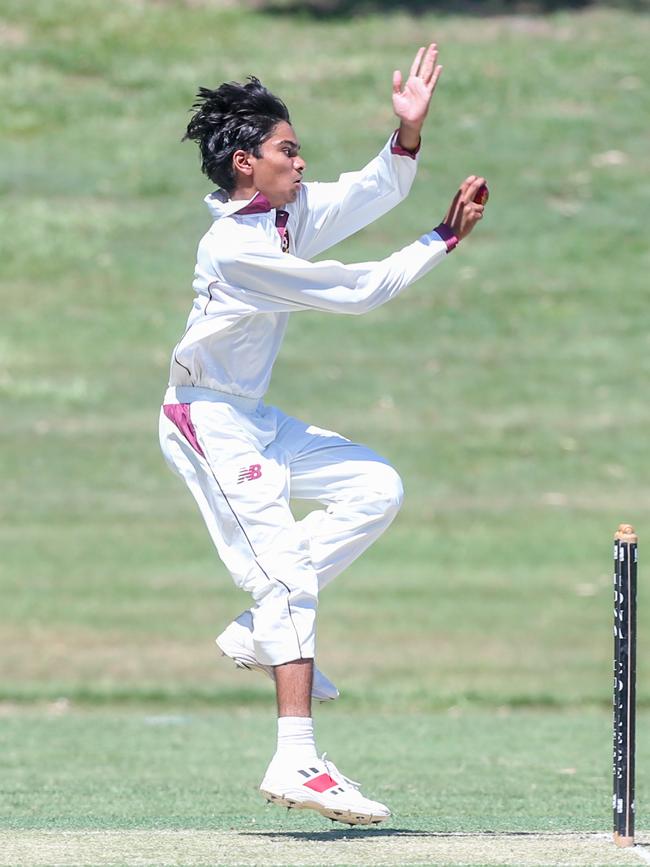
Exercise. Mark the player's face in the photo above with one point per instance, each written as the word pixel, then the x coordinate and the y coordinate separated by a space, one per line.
pixel 277 173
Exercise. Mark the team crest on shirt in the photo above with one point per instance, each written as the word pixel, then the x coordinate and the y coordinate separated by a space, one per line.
pixel 249 474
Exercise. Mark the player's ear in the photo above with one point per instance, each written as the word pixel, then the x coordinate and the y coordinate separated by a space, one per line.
pixel 241 162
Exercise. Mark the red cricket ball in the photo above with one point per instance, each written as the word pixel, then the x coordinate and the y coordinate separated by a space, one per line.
pixel 482 195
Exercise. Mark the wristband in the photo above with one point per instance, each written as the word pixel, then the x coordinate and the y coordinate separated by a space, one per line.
pixel 447 235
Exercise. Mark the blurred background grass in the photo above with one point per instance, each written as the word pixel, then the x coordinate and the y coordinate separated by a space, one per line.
pixel 509 387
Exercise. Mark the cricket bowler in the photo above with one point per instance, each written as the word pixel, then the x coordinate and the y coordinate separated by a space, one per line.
pixel 243 459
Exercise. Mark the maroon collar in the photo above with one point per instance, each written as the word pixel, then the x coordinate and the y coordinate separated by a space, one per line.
pixel 259 204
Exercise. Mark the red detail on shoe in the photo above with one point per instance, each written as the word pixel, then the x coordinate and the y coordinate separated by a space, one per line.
pixel 321 783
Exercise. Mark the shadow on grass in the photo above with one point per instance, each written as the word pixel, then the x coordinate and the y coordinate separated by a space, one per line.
pixel 333 9
pixel 360 831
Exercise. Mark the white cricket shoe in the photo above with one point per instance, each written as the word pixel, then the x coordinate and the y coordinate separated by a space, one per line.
pixel 320 786
pixel 236 641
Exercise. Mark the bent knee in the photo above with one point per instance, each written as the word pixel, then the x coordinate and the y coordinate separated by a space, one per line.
pixel 388 489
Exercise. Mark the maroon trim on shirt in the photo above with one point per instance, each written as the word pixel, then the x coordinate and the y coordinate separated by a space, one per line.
pixel 259 204
pixel 396 148
pixel 447 235
pixel 281 218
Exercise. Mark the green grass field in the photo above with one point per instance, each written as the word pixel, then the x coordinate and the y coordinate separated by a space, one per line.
pixel 509 388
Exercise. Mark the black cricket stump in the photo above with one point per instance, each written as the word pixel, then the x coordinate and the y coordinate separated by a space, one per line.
pixel 625 563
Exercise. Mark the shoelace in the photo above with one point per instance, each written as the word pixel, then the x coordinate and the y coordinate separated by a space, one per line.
pixel 334 772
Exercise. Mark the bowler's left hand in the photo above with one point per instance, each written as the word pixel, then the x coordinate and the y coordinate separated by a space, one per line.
pixel 411 103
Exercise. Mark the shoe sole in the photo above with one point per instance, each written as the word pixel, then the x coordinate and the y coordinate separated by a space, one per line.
pixel 243 662
pixel 348 817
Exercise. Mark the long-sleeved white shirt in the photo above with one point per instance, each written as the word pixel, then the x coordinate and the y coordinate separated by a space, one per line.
pixel 246 286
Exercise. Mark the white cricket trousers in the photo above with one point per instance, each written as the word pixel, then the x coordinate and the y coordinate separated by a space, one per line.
pixel 242 461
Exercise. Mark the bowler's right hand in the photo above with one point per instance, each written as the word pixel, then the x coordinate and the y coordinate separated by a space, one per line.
pixel 464 213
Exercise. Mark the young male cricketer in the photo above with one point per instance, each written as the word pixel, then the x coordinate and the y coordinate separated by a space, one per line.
pixel 243 459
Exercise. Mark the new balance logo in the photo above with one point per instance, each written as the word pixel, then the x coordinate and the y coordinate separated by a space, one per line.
pixel 249 474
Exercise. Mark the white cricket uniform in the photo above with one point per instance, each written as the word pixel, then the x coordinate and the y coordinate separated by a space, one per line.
pixel 242 459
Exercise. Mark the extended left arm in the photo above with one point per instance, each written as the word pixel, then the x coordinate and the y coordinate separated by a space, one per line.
pixel 327 213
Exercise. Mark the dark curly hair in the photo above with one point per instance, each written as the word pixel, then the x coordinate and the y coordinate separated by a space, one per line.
pixel 232 117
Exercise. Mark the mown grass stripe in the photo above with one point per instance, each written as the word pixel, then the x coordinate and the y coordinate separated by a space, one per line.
pixel 88 695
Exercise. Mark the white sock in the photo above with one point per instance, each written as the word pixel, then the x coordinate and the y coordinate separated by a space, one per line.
pixel 295 740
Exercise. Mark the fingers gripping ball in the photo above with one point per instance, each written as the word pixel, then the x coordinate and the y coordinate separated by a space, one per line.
pixel 482 195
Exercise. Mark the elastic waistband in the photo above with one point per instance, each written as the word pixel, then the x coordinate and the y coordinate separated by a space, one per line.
pixel 189 394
